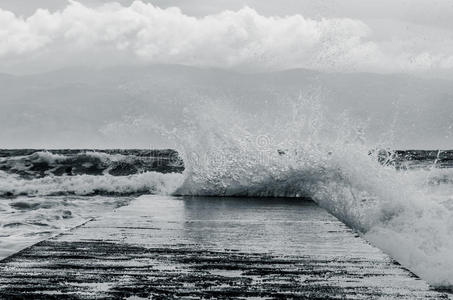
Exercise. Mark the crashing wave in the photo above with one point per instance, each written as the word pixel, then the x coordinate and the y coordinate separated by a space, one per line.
pixel 137 184
pixel 306 155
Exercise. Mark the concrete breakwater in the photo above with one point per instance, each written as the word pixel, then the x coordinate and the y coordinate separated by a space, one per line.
pixel 176 247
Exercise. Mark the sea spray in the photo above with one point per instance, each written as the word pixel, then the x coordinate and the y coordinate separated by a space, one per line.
pixel 303 153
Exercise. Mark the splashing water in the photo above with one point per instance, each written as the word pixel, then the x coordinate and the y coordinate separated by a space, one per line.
pixel 298 152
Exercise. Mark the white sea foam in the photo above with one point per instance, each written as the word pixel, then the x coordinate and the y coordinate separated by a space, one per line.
pixel 149 182
pixel 25 221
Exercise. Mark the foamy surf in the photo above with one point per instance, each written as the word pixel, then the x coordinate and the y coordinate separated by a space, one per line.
pixel 406 212
pixel 89 185
pixel 27 220
pixel 411 222
pixel 87 173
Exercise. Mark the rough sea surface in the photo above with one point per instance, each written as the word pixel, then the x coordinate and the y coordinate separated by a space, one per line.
pixel 46 192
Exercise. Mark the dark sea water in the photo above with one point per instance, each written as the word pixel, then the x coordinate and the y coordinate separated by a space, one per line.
pixel 416 159
pixel 32 163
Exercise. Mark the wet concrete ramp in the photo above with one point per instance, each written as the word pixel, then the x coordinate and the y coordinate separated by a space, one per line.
pixel 227 248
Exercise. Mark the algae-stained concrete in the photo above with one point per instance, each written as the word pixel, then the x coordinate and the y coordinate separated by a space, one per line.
pixel 190 248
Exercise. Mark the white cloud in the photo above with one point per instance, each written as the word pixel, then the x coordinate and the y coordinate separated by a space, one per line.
pixel 114 34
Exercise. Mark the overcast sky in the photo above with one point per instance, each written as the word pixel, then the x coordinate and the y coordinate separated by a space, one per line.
pixel 385 36
pixel 411 36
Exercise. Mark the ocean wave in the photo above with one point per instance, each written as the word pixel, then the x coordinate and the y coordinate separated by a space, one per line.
pixel 305 154
pixel 413 223
pixel 30 164
pixel 144 183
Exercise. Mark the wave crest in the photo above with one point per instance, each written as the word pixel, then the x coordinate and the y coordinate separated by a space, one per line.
pixel 30 164
pixel 144 183
pixel 305 154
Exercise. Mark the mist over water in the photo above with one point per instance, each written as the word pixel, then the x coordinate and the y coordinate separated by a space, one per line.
pixel 121 107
